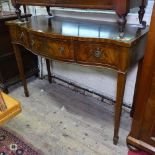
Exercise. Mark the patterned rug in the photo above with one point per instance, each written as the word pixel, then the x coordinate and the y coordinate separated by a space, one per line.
pixel 12 144
pixel 137 153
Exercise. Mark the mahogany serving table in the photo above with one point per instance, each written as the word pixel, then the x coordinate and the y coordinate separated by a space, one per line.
pixel 122 7
pixel 84 42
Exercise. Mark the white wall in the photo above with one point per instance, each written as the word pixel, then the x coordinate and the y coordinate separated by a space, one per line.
pixel 100 80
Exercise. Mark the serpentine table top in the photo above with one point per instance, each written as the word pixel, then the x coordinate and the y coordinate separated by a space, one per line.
pixel 81 29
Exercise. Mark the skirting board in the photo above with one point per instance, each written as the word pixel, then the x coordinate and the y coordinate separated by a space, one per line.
pixel 73 86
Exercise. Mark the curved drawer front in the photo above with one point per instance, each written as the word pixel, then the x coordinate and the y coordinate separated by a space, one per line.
pixel 98 54
pixel 36 44
pixel 52 48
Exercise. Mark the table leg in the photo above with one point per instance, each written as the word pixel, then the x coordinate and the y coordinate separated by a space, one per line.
pixel 141 13
pixel 21 68
pixel 49 70
pixel 136 87
pixel 122 22
pixel 18 11
pixel 24 7
pixel 122 12
pixel 121 81
pixel 49 11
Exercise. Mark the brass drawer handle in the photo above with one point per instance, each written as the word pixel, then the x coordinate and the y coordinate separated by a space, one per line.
pixel 22 35
pixel 33 43
pixel 61 50
pixel 97 53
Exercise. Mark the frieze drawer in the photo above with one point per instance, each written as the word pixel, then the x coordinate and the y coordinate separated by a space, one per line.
pixel 98 54
pixel 53 48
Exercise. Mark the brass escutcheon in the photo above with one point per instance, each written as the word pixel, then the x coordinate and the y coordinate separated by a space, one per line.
pixel 98 53
pixel 61 50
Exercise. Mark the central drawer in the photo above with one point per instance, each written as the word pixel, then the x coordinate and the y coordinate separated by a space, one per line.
pixel 98 54
pixel 52 48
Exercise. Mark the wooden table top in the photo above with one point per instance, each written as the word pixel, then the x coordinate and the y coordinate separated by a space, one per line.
pixel 71 28
pixel 6 15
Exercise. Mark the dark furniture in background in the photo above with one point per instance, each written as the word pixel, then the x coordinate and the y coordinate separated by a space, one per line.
pixel 9 73
pixel 122 7
pixel 142 135
pixel 88 43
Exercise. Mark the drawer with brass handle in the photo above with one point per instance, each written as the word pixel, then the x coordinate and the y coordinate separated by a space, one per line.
pixel 98 54
pixel 53 48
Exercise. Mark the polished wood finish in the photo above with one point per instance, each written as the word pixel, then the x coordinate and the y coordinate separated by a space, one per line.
pixel 98 54
pixel 142 133
pixel 6 16
pixel 9 73
pixel 21 68
pixel 121 80
pixel 87 42
pixel 122 7
pixel 60 49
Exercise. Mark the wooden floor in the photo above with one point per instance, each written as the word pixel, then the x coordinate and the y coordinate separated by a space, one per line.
pixel 60 121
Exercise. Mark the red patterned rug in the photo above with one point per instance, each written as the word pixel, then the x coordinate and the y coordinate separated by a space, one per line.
pixel 137 153
pixel 12 144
